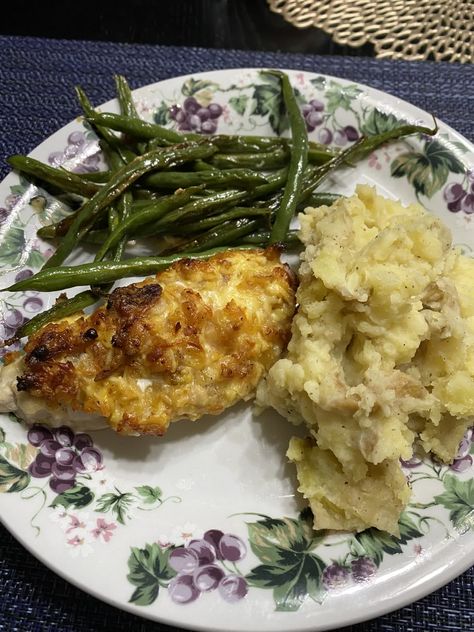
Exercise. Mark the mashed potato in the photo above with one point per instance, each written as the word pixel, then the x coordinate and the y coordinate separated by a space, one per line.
pixel 382 354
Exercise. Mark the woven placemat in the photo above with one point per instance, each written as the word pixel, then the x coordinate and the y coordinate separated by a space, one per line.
pixel 36 98
pixel 398 29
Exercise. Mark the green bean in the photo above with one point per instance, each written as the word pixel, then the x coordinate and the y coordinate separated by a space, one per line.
pixel 220 201
pixel 236 212
pixel 261 238
pixel 364 146
pixel 152 212
pixel 116 156
pixel 201 165
pixel 96 176
pixel 267 160
pixel 125 98
pixel 318 156
pixel 207 203
pixel 321 199
pixel 62 308
pixel 59 229
pixel 143 130
pixel 124 210
pixel 48 232
pixel 102 132
pixel 94 236
pixel 129 173
pixel 368 143
pixel 138 128
pixel 59 178
pixel 225 233
pixel 213 178
pixel 298 160
pixel 262 160
pixel 237 144
pixel 62 277
pixel 144 194
pixel 67 306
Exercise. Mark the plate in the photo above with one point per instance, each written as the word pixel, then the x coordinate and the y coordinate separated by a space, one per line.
pixel 226 477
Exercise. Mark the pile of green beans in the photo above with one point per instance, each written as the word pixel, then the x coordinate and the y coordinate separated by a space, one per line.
pixel 195 195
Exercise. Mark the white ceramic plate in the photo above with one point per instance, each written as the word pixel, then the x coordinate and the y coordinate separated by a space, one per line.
pixel 112 531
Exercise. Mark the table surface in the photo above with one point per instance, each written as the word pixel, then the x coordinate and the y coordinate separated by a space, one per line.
pixel 36 98
pixel 238 24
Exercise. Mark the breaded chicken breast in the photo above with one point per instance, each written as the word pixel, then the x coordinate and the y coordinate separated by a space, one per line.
pixel 193 340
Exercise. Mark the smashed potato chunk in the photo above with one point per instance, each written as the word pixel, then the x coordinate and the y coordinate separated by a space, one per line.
pixel 381 355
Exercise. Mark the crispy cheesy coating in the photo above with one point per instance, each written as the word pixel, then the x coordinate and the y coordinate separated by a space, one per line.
pixel 193 340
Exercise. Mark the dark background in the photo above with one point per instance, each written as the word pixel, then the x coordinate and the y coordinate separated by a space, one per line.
pixel 238 24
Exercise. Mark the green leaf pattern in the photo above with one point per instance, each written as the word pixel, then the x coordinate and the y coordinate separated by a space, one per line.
pixel 289 567
pixel 12 479
pixel 339 96
pixel 268 102
pixel 378 122
pixel 376 543
pixel 148 570
pixel 427 170
pixel 118 503
pixel 77 497
pixel 458 498
pixel 162 116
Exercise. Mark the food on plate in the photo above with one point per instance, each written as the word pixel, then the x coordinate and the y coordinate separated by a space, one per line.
pixel 193 340
pixel 381 356
pixel 234 190
pixel 200 335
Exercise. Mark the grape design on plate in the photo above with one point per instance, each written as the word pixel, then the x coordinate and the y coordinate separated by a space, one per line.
pixel 62 456
pixel 313 113
pixel 12 316
pixel 193 116
pixel 79 149
pixel 201 567
pixel 462 461
pixel 460 197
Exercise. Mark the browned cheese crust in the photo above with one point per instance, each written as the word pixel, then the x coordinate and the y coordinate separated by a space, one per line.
pixel 191 341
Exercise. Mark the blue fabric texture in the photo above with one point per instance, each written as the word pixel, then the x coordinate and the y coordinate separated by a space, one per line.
pixel 37 77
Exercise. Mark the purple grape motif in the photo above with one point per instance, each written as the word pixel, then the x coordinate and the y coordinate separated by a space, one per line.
pixel 196 117
pixel 412 462
pixel 467 203
pixel 205 551
pixel 77 147
pixel 199 568
pixel 62 455
pixel 213 537
pixel 363 568
pixel 182 589
pixel 184 560
pixel 312 114
pixel 340 137
pixel 4 213
pixel 454 195
pixel 335 575
pixel 233 588
pixel 463 460
pixel 32 304
pixel 207 578
pixel 232 548
pixel 351 133
pixel 10 323
pixel 325 136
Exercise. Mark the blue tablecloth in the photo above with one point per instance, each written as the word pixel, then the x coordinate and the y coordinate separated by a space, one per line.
pixel 36 98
